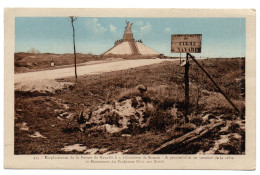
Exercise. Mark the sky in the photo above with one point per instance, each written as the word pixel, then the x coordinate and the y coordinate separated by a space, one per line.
pixel 221 37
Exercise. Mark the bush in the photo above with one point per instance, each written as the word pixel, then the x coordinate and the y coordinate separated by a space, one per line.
pixel 157 120
pixel 128 94
pixel 234 128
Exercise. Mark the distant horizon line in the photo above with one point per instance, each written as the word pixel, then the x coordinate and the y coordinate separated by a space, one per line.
pixel 123 55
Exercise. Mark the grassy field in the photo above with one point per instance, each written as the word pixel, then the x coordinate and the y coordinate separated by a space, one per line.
pixel 165 90
pixel 28 62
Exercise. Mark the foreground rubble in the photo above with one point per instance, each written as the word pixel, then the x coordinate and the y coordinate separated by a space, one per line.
pixel 120 116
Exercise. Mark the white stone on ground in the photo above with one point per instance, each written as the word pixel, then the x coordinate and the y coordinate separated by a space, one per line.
pixel 95 150
pixel 37 135
pixel 22 126
pixel 91 151
pixel 76 147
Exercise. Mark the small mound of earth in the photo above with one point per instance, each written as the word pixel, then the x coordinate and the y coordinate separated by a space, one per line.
pixel 121 115
pixel 42 86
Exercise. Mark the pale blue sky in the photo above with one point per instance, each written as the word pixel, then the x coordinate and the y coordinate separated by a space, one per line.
pixel 220 36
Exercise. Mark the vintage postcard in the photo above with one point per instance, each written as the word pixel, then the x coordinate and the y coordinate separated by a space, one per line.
pixel 130 88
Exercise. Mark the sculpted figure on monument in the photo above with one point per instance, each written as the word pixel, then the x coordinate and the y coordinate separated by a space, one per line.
pixel 129 26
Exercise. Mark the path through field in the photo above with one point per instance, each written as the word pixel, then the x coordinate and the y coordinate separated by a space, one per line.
pixel 43 80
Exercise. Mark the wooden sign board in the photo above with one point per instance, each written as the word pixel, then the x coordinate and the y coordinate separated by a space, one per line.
pixel 186 43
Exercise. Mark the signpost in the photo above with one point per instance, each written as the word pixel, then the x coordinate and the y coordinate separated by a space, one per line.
pixel 191 43
pixel 188 43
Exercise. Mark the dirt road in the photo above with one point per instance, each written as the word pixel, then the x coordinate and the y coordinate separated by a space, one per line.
pixel 43 80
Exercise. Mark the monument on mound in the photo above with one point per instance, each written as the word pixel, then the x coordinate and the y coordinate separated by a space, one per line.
pixel 129 46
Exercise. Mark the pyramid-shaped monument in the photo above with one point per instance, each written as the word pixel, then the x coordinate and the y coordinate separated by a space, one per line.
pixel 129 46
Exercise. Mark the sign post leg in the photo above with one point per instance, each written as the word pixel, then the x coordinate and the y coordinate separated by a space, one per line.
pixel 187 98
pixel 180 58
